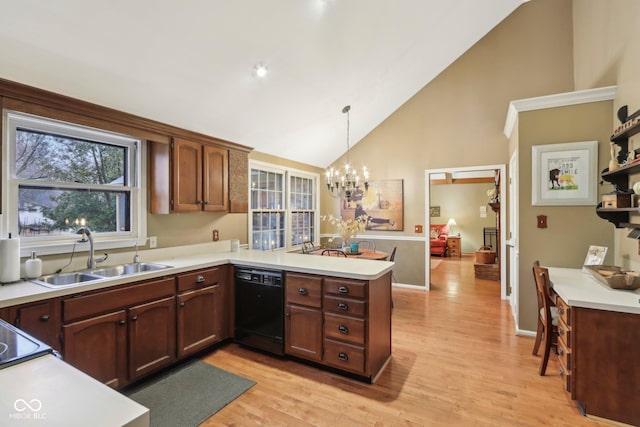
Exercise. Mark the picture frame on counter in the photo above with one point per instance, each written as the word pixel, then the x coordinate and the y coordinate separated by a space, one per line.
pixel 564 174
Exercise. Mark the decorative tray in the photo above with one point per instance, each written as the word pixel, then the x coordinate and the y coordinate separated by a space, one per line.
pixel 615 277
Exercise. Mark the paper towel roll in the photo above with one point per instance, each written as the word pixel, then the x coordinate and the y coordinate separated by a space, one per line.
pixel 9 260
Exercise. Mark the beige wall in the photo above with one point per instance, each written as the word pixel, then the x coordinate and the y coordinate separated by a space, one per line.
pixel 457 120
pixel 462 202
pixel 571 229
pixel 606 53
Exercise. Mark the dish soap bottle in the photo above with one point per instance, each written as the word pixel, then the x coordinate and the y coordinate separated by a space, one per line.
pixel 33 267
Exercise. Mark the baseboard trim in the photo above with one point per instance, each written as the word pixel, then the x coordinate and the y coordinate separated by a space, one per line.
pixel 407 286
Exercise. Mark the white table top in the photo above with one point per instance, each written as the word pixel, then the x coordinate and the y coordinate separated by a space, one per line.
pixel 46 391
pixel 581 289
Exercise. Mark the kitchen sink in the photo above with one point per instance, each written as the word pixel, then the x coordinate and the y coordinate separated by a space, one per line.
pixel 81 277
pixel 126 269
pixel 66 279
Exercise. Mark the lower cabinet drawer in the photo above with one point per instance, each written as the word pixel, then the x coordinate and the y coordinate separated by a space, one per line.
pixel 344 356
pixel 565 374
pixel 348 306
pixel 564 354
pixel 344 328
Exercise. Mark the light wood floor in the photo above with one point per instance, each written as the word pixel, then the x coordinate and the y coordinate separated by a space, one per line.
pixel 456 362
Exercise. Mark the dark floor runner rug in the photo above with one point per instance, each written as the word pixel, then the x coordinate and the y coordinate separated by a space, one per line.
pixel 189 394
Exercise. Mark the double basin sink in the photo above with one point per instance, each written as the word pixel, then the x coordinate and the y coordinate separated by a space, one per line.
pixel 61 280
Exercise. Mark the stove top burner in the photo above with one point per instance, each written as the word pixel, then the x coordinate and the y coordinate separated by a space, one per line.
pixel 17 346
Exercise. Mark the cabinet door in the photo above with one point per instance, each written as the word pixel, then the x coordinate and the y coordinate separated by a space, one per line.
pixel 41 320
pixel 187 176
pixel 98 347
pixel 303 332
pixel 200 319
pixel 152 336
pixel 215 179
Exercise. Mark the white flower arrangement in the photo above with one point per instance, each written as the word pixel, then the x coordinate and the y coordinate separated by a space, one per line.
pixel 347 228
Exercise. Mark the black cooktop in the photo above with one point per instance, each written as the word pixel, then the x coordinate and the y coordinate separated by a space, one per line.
pixel 17 346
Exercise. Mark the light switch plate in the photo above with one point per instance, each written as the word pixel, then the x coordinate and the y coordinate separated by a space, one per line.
pixel 153 242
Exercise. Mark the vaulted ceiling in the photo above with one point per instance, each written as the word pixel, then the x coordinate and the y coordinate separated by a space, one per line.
pixel 191 64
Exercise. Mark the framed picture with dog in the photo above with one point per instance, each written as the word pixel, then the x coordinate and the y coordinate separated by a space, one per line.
pixel 564 174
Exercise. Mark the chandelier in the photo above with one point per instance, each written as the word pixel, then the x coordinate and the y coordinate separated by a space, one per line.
pixel 349 183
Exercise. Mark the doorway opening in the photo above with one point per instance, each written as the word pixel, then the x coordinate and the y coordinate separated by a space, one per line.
pixel 469 202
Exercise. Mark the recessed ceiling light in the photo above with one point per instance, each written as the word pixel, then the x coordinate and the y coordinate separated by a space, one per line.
pixel 260 70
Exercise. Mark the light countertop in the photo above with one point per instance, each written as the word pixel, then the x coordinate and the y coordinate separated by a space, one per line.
pixel 46 391
pixel 193 257
pixel 581 289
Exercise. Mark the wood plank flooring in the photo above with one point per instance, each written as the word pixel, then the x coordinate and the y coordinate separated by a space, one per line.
pixel 456 362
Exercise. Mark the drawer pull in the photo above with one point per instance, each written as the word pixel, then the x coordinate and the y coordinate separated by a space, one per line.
pixel 44 318
pixel 560 331
pixel 560 311
pixel 561 372
pixel 343 289
pixel 343 356
pixel 122 323
pixel 182 304
pixel 343 329
pixel 343 306
pixel 560 351
pixel 200 279
pixel 134 318
pixel 303 291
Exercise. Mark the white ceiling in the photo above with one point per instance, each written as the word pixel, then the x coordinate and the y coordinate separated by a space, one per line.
pixel 190 63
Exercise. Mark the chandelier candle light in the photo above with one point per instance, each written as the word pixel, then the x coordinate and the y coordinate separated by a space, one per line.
pixel 347 184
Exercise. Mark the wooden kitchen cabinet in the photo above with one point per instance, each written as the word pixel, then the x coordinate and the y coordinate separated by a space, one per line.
pixel 188 176
pixel 303 316
pixel 598 351
pixel 41 320
pixel 152 336
pixel 340 323
pixel 119 335
pixel 201 316
pixel 98 347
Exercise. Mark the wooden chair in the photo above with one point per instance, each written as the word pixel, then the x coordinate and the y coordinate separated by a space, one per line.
pixel 393 254
pixel 333 252
pixel 546 310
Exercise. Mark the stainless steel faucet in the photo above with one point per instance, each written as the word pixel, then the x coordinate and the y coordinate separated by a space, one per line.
pixel 87 237
pixel 136 258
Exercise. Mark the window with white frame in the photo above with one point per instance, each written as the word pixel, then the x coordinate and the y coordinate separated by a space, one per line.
pixel 274 224
pixel 302 207
pixel 57 175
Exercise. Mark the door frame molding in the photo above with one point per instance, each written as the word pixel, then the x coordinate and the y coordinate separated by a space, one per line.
pixel 427 220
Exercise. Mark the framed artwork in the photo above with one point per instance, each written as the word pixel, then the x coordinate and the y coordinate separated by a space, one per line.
pixel 434 211
pixel 383 203
pixel 564 174
pixel 595 255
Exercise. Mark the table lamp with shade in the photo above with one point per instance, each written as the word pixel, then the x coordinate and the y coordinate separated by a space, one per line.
pixel 451 223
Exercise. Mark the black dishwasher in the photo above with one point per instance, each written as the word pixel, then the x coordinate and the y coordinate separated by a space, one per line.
pixel 259 309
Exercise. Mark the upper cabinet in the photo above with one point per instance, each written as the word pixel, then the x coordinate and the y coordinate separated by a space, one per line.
pixel 188 176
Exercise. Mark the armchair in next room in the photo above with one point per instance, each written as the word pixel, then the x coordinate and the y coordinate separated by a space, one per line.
pixel 438 234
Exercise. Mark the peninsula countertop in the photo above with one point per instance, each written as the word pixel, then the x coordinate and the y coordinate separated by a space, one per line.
pixel 580 289
pixel 193 257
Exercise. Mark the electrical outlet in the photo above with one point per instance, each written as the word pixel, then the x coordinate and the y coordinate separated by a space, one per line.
pixel 216 235
pixel 153 242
